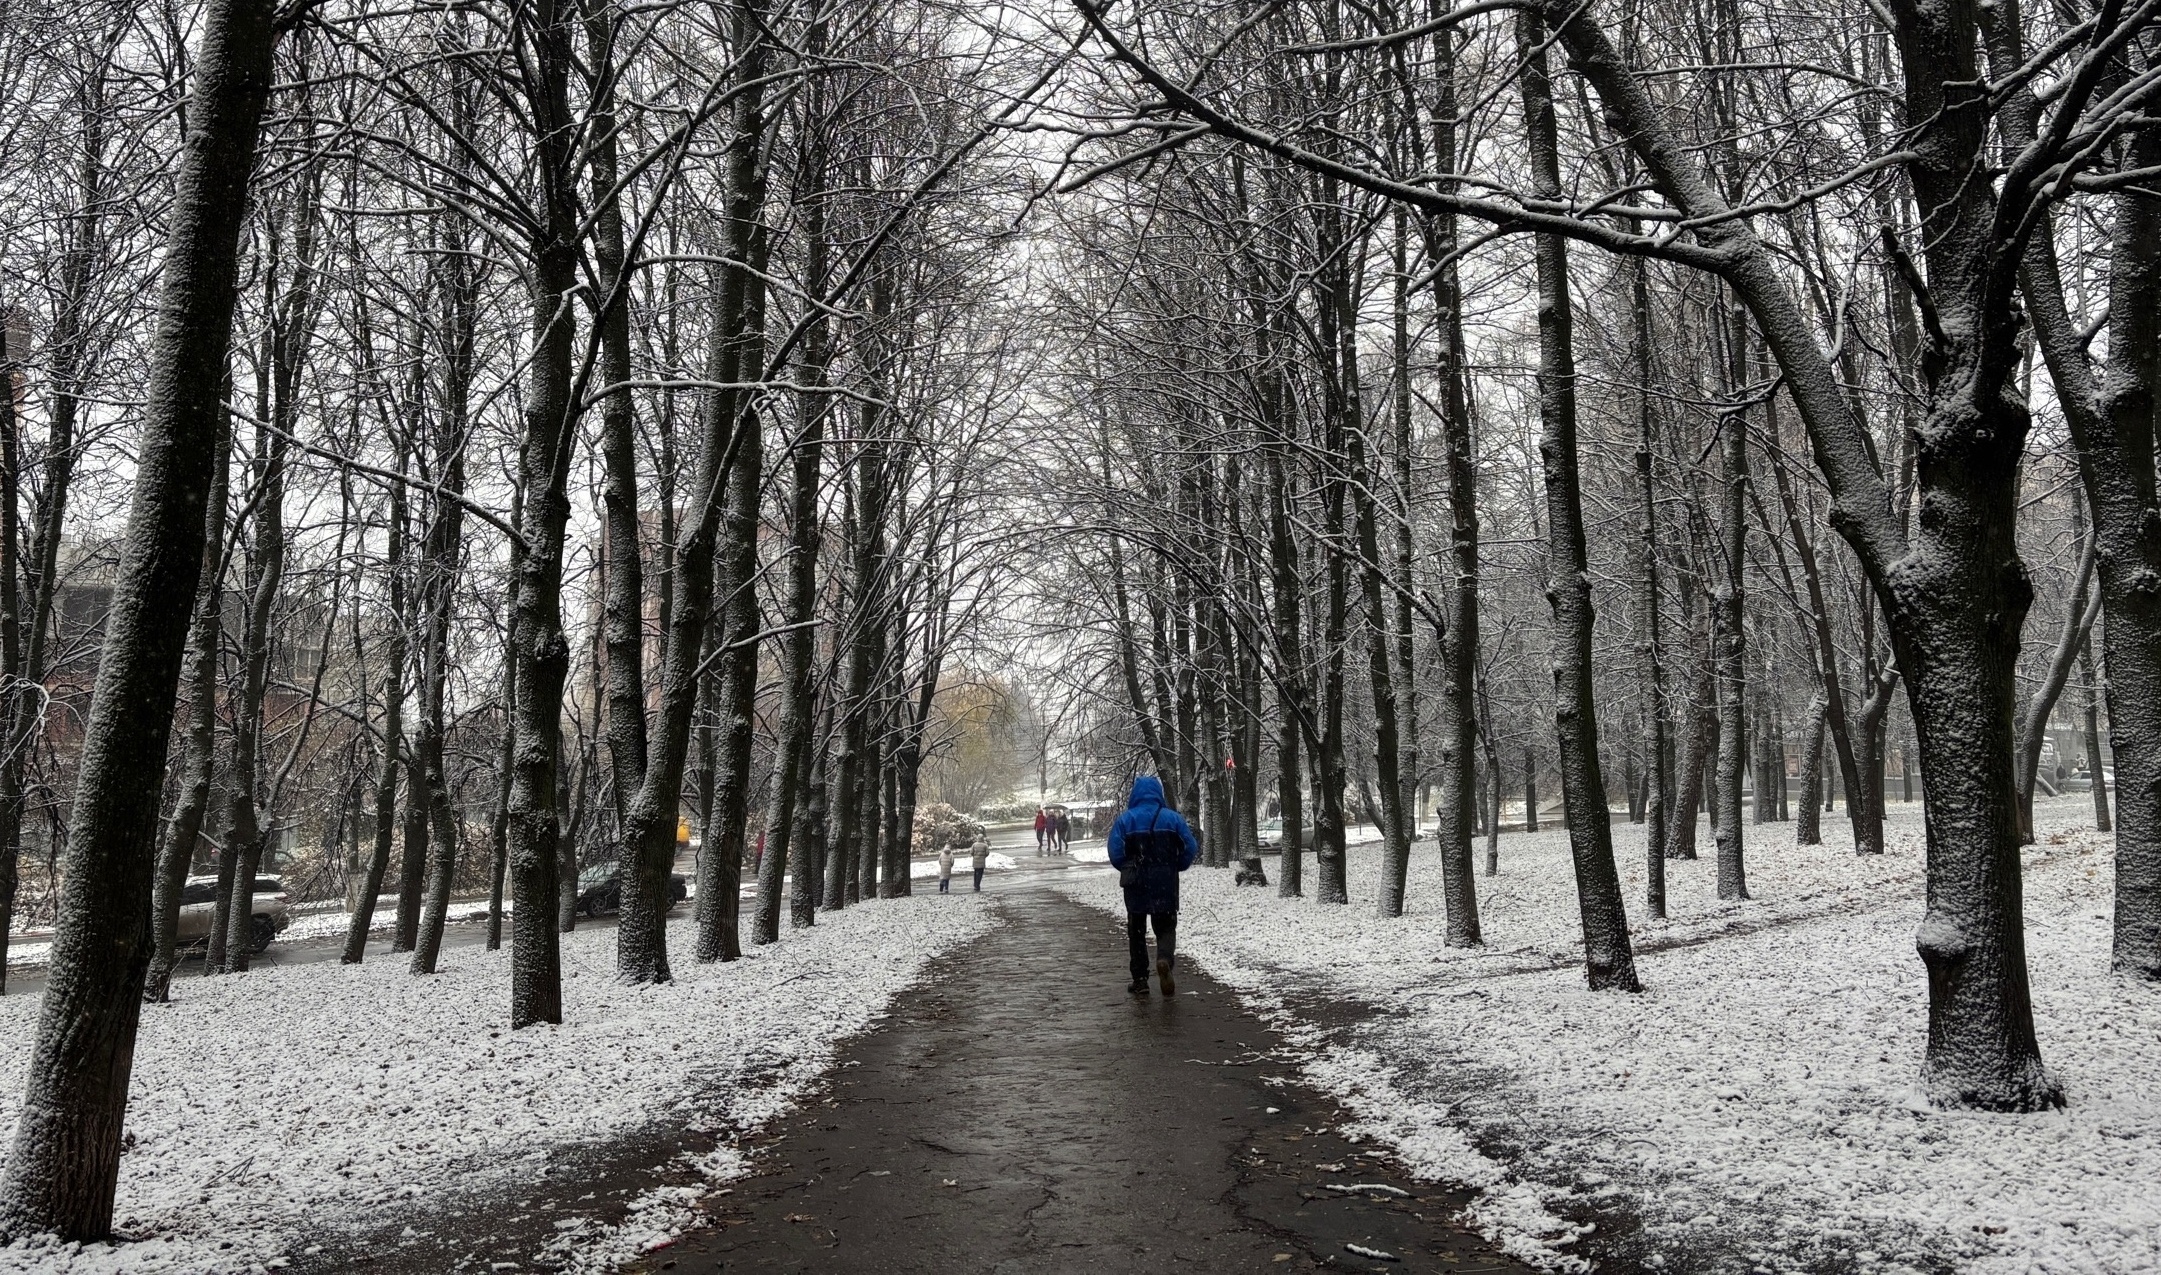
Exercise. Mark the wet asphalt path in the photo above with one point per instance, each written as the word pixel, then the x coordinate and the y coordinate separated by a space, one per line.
pixel 1023 1113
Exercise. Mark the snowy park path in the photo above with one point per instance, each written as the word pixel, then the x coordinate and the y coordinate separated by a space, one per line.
pixel 1021 1112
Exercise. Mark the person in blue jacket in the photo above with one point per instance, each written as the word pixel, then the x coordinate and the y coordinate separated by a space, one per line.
pixel 1150 845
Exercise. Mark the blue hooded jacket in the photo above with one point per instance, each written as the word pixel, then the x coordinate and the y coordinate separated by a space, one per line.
pixel 1160 857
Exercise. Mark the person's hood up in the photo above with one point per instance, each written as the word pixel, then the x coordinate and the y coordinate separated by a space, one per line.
pixel 1147 791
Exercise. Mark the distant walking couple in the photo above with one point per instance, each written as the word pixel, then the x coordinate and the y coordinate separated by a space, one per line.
pixel 1150 845
pixel 978 853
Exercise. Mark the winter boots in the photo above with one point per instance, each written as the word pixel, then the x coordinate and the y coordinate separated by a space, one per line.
pixel 1163 975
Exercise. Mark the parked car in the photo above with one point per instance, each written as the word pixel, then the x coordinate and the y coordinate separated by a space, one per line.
pixel 1272 835
pixel 600 889
pixel 199 911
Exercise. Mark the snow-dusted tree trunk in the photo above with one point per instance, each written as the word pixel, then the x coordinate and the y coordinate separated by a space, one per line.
pixel 390 732
pixel 1808 821
pixel 1955 591
pixel 1389 678
pixel 176 847
pixel 1728 636
pixel 290 322
pixel 1337 309
pixel 2083 605
pixel 539 648
pixel 1699 735
pixel 855 827
pixel 2090 693
pixel 499 816
pixel 65 1162
pixel 794 748
pixel 33 578
pixel 2111 414
pixel 1608 957
pixel 443 551
pixel 1650 649
pixel 1287 597
pixel 413 837
pixel 1456 723
pixel 740 312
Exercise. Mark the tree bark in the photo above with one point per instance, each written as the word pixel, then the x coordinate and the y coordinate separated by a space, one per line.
pixel 1608 958
pixel 1650 649
pixel 391 732
pixel 1807 827
pixel 1287 590
pixel 741 290
pixel 176 851
pixel 2084 605
pixel 61 1174
pixel 541 653
pixel 1729 640
pixel 440 566
pixel 1382 666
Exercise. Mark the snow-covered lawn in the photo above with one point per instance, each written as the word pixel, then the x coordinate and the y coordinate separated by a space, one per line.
pixel 1756 1107
pixel 292 1100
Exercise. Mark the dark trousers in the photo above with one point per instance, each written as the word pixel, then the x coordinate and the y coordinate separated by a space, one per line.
pixel 979 878
pixel 1137 923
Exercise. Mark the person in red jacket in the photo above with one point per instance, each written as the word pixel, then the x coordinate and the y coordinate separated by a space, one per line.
pixel 1042 822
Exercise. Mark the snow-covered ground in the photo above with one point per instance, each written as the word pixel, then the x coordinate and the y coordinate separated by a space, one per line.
pixel 1756 1107
pixel 290 1101
pixel 29 953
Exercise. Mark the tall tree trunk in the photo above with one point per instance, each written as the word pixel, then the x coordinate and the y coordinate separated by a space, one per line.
pixel 61 1174
pixel 856 836
pixel 499 820
pixel 1699 730
pixel 391 731
pixel 741 291
pixel 791 781
pixel 292 315
pixel 444 549
pixel 1608 958
pixel 2090 689
pixel 1867 833
pixel 1336 308
pixel 1458 710
pixel 177 848
pixel 37 571
pixel 412 838
pixel 1729 641
pixel 541 653
pixel 2083 606
pixel 2112 415
pixel 1382 667
pixel 1287 588
pixel 1650 648
pixel 1807 828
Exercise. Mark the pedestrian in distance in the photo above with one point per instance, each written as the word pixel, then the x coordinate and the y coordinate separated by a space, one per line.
pixel 980 854
pixel 1065 830
pixel 1150 845
pixel 1042 827
pixel 945 869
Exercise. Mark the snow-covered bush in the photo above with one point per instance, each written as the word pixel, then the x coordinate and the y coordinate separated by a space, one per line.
pixel 938 824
